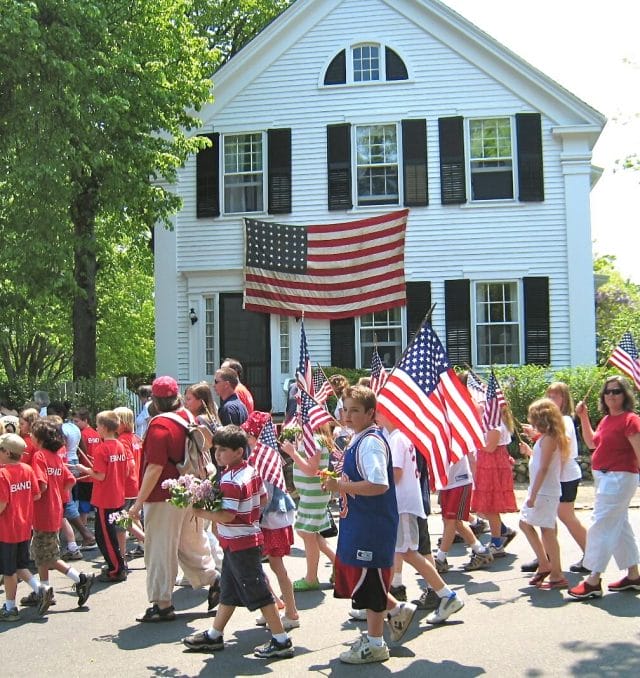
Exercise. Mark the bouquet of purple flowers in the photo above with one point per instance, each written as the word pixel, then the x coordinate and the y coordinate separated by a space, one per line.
pixel 121 519
pixel 188 490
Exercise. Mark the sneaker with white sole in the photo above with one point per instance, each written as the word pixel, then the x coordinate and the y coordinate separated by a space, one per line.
pixel 447 607
pixel 45 596
pixel 363 652
pixel 287 623
pixel 429 600
pixel 508 535
pixel 399 623
pixel 479 560
pixel 200 642
pixel 33 599
pixel 442 566
pixel 275 650
pixel 9 615
pixel 497 551
pixel 358 615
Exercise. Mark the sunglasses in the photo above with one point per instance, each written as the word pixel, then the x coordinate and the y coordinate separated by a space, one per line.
pixel 613 391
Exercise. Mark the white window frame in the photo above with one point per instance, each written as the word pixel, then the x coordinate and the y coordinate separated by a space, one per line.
pixel 475 323
pixel 355 165
pixel 211 307
pixel 223 174
pixel 284 332
pixel 470 159
pixel 401 325
pixel 381 62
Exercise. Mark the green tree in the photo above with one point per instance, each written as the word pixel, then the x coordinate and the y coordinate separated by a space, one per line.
pixel 617 306
pixel 96 103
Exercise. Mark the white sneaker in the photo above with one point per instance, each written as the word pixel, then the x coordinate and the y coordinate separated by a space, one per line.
pixel 447 607
pixel 358 615
pixel 363 652
pixel 261 621
pixel 399 623
pixel 290 623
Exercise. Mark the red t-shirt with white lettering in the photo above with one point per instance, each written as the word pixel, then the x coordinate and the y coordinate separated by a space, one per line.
pixel 133 447
pixel 52 472
pixel 111 459
pixel 27 455
pixel 18 488
pixel 90 441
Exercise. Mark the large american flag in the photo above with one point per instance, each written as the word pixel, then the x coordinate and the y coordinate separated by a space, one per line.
pixel 327 271
pixel 378 373
pixel 312 416
pixel 322 388
pixel 625 357
pixel 425 399
pixel 304 377
pixel 266 459
pixel 492 415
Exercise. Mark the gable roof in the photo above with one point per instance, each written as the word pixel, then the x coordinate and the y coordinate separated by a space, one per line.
pixel 434 17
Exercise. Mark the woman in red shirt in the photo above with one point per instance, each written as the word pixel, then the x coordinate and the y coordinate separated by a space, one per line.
pixel 615 464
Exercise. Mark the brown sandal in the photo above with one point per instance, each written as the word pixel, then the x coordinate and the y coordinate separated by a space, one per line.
pixel 538 578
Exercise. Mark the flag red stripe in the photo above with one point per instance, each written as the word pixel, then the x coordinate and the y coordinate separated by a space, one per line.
pixel 369 221
pixel 338 312
pixel 356 240
pixel 361 295
pixel 302 284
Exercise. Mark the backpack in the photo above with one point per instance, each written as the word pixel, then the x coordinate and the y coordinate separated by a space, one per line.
pixel 197 457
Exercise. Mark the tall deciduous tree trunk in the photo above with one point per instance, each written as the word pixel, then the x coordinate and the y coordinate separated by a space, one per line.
pixel 83 216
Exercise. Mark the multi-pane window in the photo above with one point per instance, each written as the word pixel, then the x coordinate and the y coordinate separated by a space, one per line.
pixel 497 323
pixel 377 164
pixel 366 63
pixel 243 173
pixel 491 158
pixel 285 355
pixel 210 361
pixel 384 329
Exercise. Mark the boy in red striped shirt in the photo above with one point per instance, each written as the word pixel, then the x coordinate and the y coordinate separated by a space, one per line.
pixel 240 537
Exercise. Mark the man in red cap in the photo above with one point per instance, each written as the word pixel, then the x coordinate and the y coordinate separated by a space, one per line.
pixel 172 535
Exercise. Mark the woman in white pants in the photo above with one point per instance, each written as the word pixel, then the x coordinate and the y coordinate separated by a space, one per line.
pixel 615 464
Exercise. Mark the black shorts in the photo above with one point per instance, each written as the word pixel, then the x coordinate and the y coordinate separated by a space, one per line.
pixel 424 538
pixel 83 491
pixel 242 580
pixel 569 491
pixel 13 557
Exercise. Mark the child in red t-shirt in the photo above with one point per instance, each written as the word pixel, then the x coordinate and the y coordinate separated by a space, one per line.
pixel 109 473
pixel 55 481
pixel 18 490
pixel 89 441
pixel 133 449
pixel 27 419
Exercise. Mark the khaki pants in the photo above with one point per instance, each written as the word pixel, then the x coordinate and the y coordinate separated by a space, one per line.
pixel 174 536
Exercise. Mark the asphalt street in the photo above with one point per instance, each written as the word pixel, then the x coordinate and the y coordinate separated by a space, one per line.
pixel 507 628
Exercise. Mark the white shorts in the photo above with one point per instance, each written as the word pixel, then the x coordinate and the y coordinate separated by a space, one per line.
pixel 543 514
pixel 408 533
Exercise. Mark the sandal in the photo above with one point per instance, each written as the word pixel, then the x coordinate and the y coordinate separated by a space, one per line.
pixel 554 584
pixel 155 614
pixel 538 578
pixel 304 585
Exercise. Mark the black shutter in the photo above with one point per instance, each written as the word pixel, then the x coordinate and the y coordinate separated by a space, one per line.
pixel 537 335
pixel 453 188
pixel 279 164
pixel 339 166
pixel 343 342
pixel 336 73
pixel 394 66
pixel 530 166
pixel 414 158
pixel 207 178
pixel 457 312
pixel 418 305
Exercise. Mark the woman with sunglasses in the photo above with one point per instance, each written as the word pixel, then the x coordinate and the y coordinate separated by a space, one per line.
pixel 615 464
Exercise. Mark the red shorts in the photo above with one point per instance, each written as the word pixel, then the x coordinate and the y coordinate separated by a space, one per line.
pixel 366 586
pixel 456 502
pixel 277 542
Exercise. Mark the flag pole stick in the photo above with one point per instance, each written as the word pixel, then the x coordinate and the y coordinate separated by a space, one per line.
pixel 318 404
pixel 327 378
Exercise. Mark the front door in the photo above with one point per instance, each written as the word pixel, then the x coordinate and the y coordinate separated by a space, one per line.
pixel 245 336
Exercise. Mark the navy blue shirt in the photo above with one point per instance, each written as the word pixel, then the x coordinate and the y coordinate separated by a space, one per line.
pixel 233 411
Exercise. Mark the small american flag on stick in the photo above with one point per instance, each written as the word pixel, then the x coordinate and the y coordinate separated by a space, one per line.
pixel 312 416
pixel 266 459
pixel 322 388
pixel 378 372
pixel 625 358
pixel 493 407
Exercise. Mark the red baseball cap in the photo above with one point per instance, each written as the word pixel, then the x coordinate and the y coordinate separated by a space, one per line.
pixel 165 387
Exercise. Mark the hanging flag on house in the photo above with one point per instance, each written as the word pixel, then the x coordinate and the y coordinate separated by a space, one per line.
pixel 495 401
pixel 312 416
pixel 304 376
pixel 326 271
pixel 625 358
pixel 322 388
pixel 425 399
pixel 266 459
pixel 378 372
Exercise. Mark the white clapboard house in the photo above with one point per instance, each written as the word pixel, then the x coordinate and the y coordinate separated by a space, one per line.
pixel 342 110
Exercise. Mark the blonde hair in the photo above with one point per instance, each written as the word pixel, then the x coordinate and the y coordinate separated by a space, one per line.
pixel 126 417
pixel 109 419
pixel 546 416
pixel 30 415
pixel 563 390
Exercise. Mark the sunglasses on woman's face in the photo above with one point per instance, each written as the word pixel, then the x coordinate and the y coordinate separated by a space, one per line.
pixel 613 391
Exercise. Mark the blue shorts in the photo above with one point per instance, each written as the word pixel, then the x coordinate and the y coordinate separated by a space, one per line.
pixel 71 510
